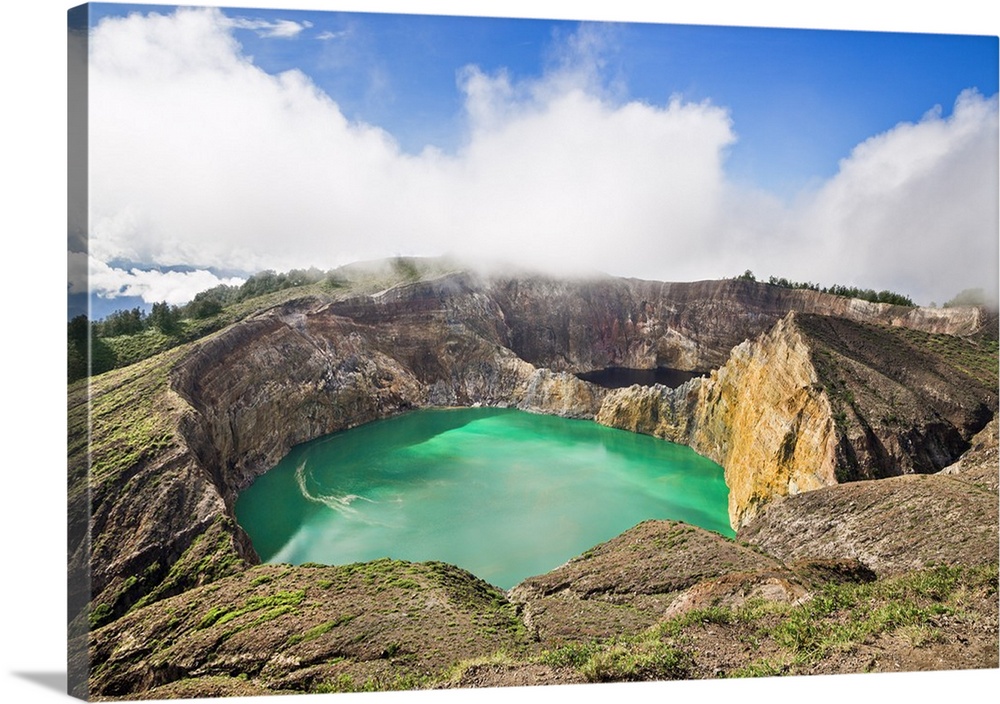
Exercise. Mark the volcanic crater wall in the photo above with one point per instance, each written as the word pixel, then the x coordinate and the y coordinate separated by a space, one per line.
pixel 790 406
pixel 581 325
pixel 771 413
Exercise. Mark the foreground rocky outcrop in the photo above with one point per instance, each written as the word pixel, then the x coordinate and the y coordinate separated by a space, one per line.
pixel 808 390
pixel 893 525
pixel 291 629
pixel 644 569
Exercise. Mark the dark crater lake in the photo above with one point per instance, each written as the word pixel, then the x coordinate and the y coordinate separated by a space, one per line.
pixel 502 493
pixel 620 377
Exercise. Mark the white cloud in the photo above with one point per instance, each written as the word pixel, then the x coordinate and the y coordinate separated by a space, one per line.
pixel 282 29
pixel 174 287
pixel 915 208
pixel 328 35
pixel 912 210
pixel 200 158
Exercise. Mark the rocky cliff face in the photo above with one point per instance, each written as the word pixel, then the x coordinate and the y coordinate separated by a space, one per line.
pixel 591 324
pixel 768 421
pixel 312 367
pixel 763 416
pixel 815 401
pixel 897 524
pixel 795 402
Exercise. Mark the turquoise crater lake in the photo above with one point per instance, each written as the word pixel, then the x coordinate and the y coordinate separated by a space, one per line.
pixel 502 493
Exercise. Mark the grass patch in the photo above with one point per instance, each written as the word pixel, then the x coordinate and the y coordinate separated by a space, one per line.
pixel 499 658
pixel 573 655
pixel 317 631
pixel 760 668
pixel 840 617
pixel 920 636
pixel 346 683
pixel 218 615
pixel 131 416
pixel 843 616
pixel 635 661
pixel 651 655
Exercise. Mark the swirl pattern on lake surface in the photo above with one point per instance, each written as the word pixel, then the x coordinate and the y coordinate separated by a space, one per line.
pixel 502 493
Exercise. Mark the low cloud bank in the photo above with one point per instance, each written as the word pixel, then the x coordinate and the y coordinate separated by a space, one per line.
pixel 200 158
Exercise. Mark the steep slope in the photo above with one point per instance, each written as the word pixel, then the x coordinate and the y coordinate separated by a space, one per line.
pixel 905 400
pixel 312 367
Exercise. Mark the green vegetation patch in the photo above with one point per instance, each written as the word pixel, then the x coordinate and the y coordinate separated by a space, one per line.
pixel 638 660
pixel 843 616
pixel 977 357
pixel 761 668
pixel 386 683
pixel 218 615
pixel 574 655
pixel 131 417
pixel 654 654
pixel 210 556
pixel 99 614
pixel 840 617
pixel 322 629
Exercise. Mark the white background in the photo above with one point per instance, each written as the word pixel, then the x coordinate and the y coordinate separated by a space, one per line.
pixel 32 561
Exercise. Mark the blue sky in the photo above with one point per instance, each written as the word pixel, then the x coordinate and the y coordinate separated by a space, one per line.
pixel 759 142
pixel 800 99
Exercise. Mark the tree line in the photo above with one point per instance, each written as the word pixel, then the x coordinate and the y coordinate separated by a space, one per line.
pixel 213 300
pixel 865 294
pixel 162 316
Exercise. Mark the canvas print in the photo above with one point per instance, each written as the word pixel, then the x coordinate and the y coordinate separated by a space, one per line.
pixel 430 352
